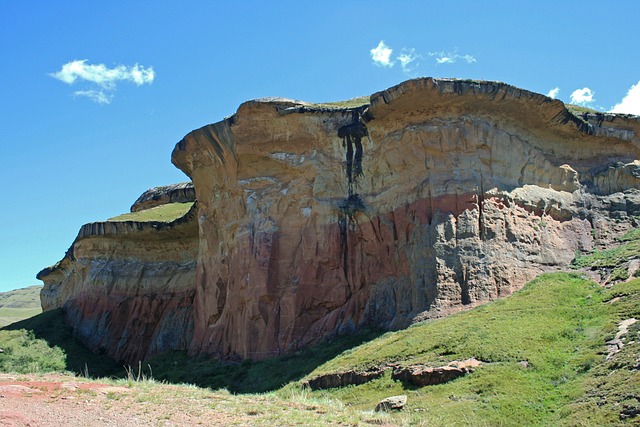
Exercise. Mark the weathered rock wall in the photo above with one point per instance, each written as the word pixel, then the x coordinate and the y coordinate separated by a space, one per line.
pixel 441 194
pixel 127 288
pixel 312 222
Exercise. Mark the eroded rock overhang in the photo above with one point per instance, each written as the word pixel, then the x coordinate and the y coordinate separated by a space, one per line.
pixel 316 220
pixel 437 194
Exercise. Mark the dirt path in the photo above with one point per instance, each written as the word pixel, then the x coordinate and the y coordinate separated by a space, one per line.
pixel 56 400
pixel 59 400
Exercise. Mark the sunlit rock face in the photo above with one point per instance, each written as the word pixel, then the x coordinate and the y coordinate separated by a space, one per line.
pixel 439 195
pixel 127 288
pixel 314 221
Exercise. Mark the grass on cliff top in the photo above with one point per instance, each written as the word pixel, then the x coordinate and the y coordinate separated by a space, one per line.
pixel 349 103
pixel 163 213
pixel 578 109
pixel 19 304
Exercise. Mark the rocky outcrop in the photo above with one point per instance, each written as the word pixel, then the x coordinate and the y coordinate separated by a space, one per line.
pixel 438 195
pixel 127 287
pixel 174 193
pixel 392 403
pixel 343 379
pixel 421 376
pixel 615 345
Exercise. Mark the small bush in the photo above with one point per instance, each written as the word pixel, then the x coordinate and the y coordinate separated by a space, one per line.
pixel 25 354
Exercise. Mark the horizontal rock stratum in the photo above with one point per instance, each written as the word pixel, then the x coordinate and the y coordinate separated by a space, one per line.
pixel 317 220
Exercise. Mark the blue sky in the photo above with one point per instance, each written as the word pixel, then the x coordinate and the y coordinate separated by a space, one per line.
pixel 94 95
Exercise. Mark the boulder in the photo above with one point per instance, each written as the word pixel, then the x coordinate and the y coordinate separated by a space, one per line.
pixel 420 375
pixel 343 379
pixel 393 403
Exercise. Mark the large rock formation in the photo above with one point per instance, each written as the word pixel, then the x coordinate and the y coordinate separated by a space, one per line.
pixel 127 287
pixel 314 221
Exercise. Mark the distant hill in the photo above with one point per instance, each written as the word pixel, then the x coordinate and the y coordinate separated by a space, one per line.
pixel 19 304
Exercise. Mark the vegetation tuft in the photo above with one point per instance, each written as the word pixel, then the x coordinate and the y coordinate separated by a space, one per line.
pixel 579 110
pixel 349 103
pixel 613 263
pixel 44 343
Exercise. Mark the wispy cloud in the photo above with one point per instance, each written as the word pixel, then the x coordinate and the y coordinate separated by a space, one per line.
pixel 582 96
pixel 95 95
pixel 553 93
pixel 381 55
pixel 630 104
pixel 452 57
pixel 409 60
pixel 100 79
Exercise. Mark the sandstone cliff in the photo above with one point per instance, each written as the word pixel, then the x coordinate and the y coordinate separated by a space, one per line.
pixel 314 221
pixel 127 287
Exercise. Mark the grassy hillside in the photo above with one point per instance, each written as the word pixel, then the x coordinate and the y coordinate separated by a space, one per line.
pixel 19 304
pixel 544 353
pixel 558 324
pixel 613 264
pixel 44 343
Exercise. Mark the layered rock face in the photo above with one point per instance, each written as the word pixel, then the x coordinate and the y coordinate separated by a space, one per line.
pixel 127 287
pixel 174 193
pixel 440 194
pixel 316 221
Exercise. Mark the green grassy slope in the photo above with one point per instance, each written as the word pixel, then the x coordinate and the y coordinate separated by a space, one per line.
pixel 44 343
pixel 613 263
pixel 19 304
pixel 558 324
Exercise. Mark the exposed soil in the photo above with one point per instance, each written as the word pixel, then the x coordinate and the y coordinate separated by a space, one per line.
pixel 57 400
pixel 60 400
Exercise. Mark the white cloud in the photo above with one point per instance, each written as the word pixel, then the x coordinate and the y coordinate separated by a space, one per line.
pixel 381 55
pixel 408 59
pixel 100 79
pixel 582 96
pixel 452 57
pixel 103 76
pixel 98 96
pixel 468 58
pixel 445 60
pixel 553 93
pixel 630 104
